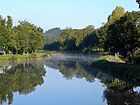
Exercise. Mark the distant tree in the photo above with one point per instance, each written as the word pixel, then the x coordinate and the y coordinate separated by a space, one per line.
pixel 67 40
pixel 81 34
pixel 89 42
pixel 101 34
pixel 72 39
pixel 52 35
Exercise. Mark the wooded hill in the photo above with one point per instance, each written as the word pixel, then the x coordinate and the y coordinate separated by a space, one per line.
pixel 52 35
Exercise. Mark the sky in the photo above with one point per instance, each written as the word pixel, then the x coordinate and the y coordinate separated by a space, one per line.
pixel 77 14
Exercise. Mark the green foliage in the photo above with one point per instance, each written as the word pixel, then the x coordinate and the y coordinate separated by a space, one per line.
pixel 101 34
pixel 33 55
pixel 24 38
pixel 29 37
pixel 78 39
pixel 129 71
pixel 52 46
pixel 52 35
pixel 116 15
pixel 47 54
pixel 73 69
pixel 122 35
pixel 13 58
pixel 21 78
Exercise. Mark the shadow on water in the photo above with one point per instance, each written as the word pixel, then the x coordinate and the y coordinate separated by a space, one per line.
pixel 116 92
pixel 127 72
pixel 22 78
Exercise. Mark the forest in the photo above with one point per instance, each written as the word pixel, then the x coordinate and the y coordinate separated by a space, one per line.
pixel 120 34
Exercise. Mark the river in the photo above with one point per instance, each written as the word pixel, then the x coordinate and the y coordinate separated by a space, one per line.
pixel 63 82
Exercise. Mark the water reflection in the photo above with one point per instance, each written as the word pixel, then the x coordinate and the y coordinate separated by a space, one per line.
pixel 22 78
pixel 74 69
pixel 25 77
pixel 121 95
pixel 116 92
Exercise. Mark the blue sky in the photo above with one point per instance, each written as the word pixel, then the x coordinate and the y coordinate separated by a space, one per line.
pixel 63 13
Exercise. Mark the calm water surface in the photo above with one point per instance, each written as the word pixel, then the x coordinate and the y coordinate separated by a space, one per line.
pixel 63 83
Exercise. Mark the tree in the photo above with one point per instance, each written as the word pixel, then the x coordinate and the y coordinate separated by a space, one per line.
pixel 28 37
pixel 67 39
pixel 89 42
pixel 123 35
pixel 81 34
pixel 2 33
pixel 52 35
pixel 116 15
pixel 6 35
pixel 9 34
pixel 101 34
pixel 138 1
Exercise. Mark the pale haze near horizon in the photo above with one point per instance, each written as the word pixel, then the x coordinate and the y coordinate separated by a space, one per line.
pixel 48 14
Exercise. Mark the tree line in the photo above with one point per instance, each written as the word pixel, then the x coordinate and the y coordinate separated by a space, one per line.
pixel 23 38
pixel 74 40
pixel 121 33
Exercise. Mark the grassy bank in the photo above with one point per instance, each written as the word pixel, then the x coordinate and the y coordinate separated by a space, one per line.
pixel 123 71
pixel 23 57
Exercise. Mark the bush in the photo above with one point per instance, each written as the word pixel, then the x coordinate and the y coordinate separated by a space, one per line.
pixel 13 58
pixel 33 55
pixel 47 54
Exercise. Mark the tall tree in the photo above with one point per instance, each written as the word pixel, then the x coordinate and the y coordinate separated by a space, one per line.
pixel 28 37
pixel 6 33
pixel 116 15
pixel 9 33
pixel 123 35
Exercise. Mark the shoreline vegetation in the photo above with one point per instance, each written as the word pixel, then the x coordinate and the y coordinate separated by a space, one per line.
pixel 24 57
pixel 118 68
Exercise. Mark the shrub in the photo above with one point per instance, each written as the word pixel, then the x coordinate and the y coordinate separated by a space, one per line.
pixel 47 54
pixel 33 55
pixel 13 58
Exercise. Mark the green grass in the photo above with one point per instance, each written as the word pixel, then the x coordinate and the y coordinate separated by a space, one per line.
pixel 23 57
pixel 101 52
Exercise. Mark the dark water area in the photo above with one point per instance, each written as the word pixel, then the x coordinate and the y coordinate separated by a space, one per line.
pixel 63 83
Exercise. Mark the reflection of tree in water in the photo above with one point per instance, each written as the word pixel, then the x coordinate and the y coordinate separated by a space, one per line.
pixel 23 78
pixel 121 94
pixel 117 92
pixel 74 69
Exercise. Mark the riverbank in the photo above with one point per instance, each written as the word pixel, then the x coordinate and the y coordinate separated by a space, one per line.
pixel 112 58
pixel 23 57
pixel 120 70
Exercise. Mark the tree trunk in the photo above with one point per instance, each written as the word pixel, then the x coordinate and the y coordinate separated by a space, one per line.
pixel 132 59
pixel 23 52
